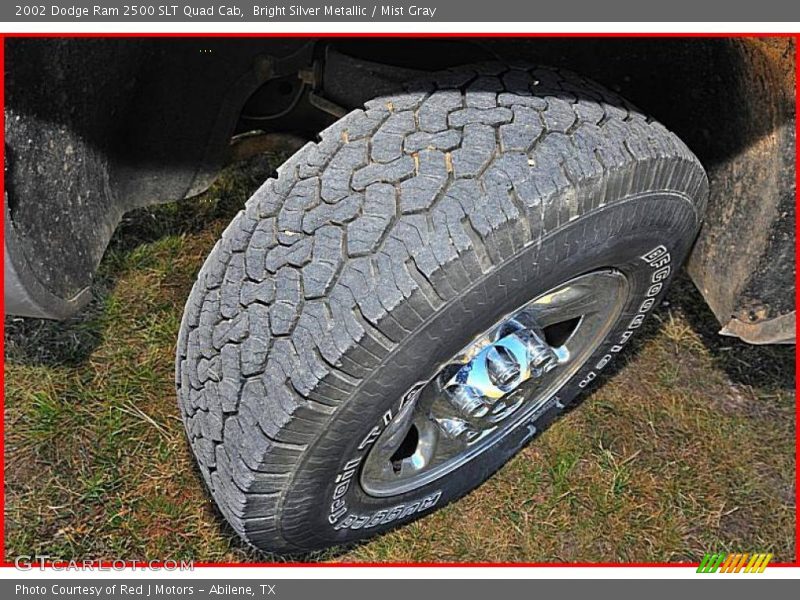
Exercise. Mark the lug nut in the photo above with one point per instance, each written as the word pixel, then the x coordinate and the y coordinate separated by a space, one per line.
pixel 542 359
pixel 452 428
pixel 499 407
pixel 502 366
pixel 467 400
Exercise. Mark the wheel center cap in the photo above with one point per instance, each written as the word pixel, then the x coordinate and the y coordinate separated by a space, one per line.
pixel 499 368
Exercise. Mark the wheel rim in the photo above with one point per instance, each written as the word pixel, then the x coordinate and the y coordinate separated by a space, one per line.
pixel 494 384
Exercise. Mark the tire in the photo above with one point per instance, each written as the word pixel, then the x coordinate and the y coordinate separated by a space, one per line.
pixel 380 251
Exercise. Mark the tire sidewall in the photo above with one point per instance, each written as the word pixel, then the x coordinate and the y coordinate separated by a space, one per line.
pixel 646 238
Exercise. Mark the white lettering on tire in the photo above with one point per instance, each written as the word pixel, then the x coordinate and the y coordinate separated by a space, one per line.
pixel 659 260
pixel 339 515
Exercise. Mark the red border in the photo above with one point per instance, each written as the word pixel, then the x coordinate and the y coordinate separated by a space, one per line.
pixel 796 296
pixel 395 34
pixel 107 564
pixel 2 303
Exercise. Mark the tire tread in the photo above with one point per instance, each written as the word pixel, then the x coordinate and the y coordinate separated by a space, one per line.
pixel 366 233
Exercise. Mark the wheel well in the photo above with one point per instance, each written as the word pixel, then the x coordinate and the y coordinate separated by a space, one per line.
pixel 153 120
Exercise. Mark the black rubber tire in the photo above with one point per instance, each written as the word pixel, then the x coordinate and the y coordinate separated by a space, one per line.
pixel 380 251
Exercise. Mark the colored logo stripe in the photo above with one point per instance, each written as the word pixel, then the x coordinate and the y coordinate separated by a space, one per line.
pixel 734 563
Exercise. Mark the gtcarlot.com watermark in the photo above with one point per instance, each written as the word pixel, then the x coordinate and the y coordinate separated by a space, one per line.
pixel 41 562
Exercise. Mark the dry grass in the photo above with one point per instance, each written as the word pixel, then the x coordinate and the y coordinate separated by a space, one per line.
pixel 687 447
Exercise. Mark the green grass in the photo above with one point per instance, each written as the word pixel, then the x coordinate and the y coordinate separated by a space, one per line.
pixel 687 447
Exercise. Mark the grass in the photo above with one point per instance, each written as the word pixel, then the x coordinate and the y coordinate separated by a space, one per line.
pixel 687 447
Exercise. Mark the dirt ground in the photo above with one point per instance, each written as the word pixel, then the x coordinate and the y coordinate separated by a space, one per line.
pixel 687 447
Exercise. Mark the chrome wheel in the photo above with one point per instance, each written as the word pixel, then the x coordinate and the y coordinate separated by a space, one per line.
pixel 494 384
